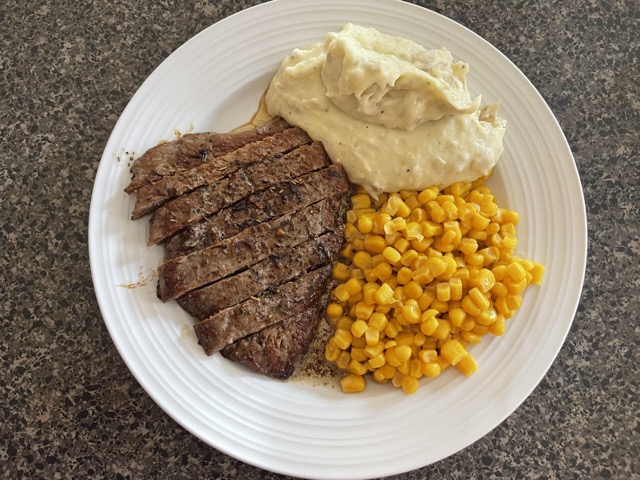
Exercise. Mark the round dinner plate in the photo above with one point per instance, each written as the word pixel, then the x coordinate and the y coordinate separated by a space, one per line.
pixel 214 82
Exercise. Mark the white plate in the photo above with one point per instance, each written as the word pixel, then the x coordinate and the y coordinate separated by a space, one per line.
pixel 213 82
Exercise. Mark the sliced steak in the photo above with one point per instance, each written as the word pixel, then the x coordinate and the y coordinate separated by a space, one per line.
pixel 270 308
pixel 151 196
pixel 183 274
pixel 286 197
pixel 194 206
pixel 276 350
pixel 273 271
pixel 191 150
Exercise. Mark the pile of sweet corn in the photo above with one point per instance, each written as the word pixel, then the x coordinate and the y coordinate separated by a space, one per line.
pixel 422 276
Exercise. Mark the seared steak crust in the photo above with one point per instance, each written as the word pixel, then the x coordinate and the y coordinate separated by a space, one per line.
pixel 269 308
pixel 149 197
pixel 191 150
pixel 275 351
pixel 272 271
pixel 194 206
pixel 183 274
pixel 286 197
pixel 252 223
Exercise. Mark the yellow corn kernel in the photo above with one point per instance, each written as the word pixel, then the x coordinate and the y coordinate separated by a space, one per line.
pixel 410 384
pixel 453 351
pixel 418 215
pixel 341 272
pixel 374 350
pixel 363 311
pixel 411 313
pixel 356 366
pixel 479 298
pixel 404 276
pixel 490 255
pixel 443 291
pixel 358 342
pixel 383 271
pixel 412 200
pixel 358 328
pixel 499 289
pixel 537 273
pixel 437 265
pixel 340 292
pixel 472 337
pixel 432 369
pixel 467 366
pixel 429 323
pixel 343 360
pixel 342 338
pixel 497 328
pixel 391 255
pixel 413 231
pixel 331 351
pixel 436 212
pixel 372 336
pixel 516 272
pixel 455 288
pixel 387 371
pixel 402 352
pixel 409 257
pixel 516 287
pixel 334 310
pixel 361 200
pixel 352 383
pixel 431 229
pixel 474 259
pixel 428 195
pixel 487 317
pixel 484 280
pixel 379 222
pixel 443 331
pixel 353 286
pixel 374 243
pixel 413 290
pixel 514 302
pixel 469 306
pixel 378 321
pixel 377 361
pixel 456 317
pixel 402 245
pixel 404 338
pixel 391 330
pixel 415 368
pixel 427 355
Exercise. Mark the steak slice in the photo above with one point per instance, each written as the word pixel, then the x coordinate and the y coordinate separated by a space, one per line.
pixel 273 271
pixel 286 197
pixel 194 206
pixel 151 196
pixel 191 150
pixel 276 350
pixel 183 274
pixel 269 308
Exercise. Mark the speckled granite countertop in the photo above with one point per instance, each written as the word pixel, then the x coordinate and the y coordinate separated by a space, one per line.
pixel 69 406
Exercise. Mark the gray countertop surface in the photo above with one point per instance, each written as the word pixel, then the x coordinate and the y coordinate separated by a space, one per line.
pixel 70 408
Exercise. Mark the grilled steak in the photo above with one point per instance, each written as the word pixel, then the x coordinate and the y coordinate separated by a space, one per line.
pixel 151 196
pixel 276 269
pixel 252 223
pixel 269 308
pixel 191 150
pixel 194 206
pixel 286 197
pixel 275 351
pixel 183 274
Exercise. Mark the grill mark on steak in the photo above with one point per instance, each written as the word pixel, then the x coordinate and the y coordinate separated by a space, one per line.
pixel 149 197
pixel 196 205
pixel 286 197
pixel 276 350
pixel 275 270
pixel 255 314
pixel 183 274
pixel 191 150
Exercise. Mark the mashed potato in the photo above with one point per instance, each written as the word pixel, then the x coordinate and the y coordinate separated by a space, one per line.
pixel 395 115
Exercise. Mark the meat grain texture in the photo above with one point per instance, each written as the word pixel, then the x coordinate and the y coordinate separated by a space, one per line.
pixel 252 223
